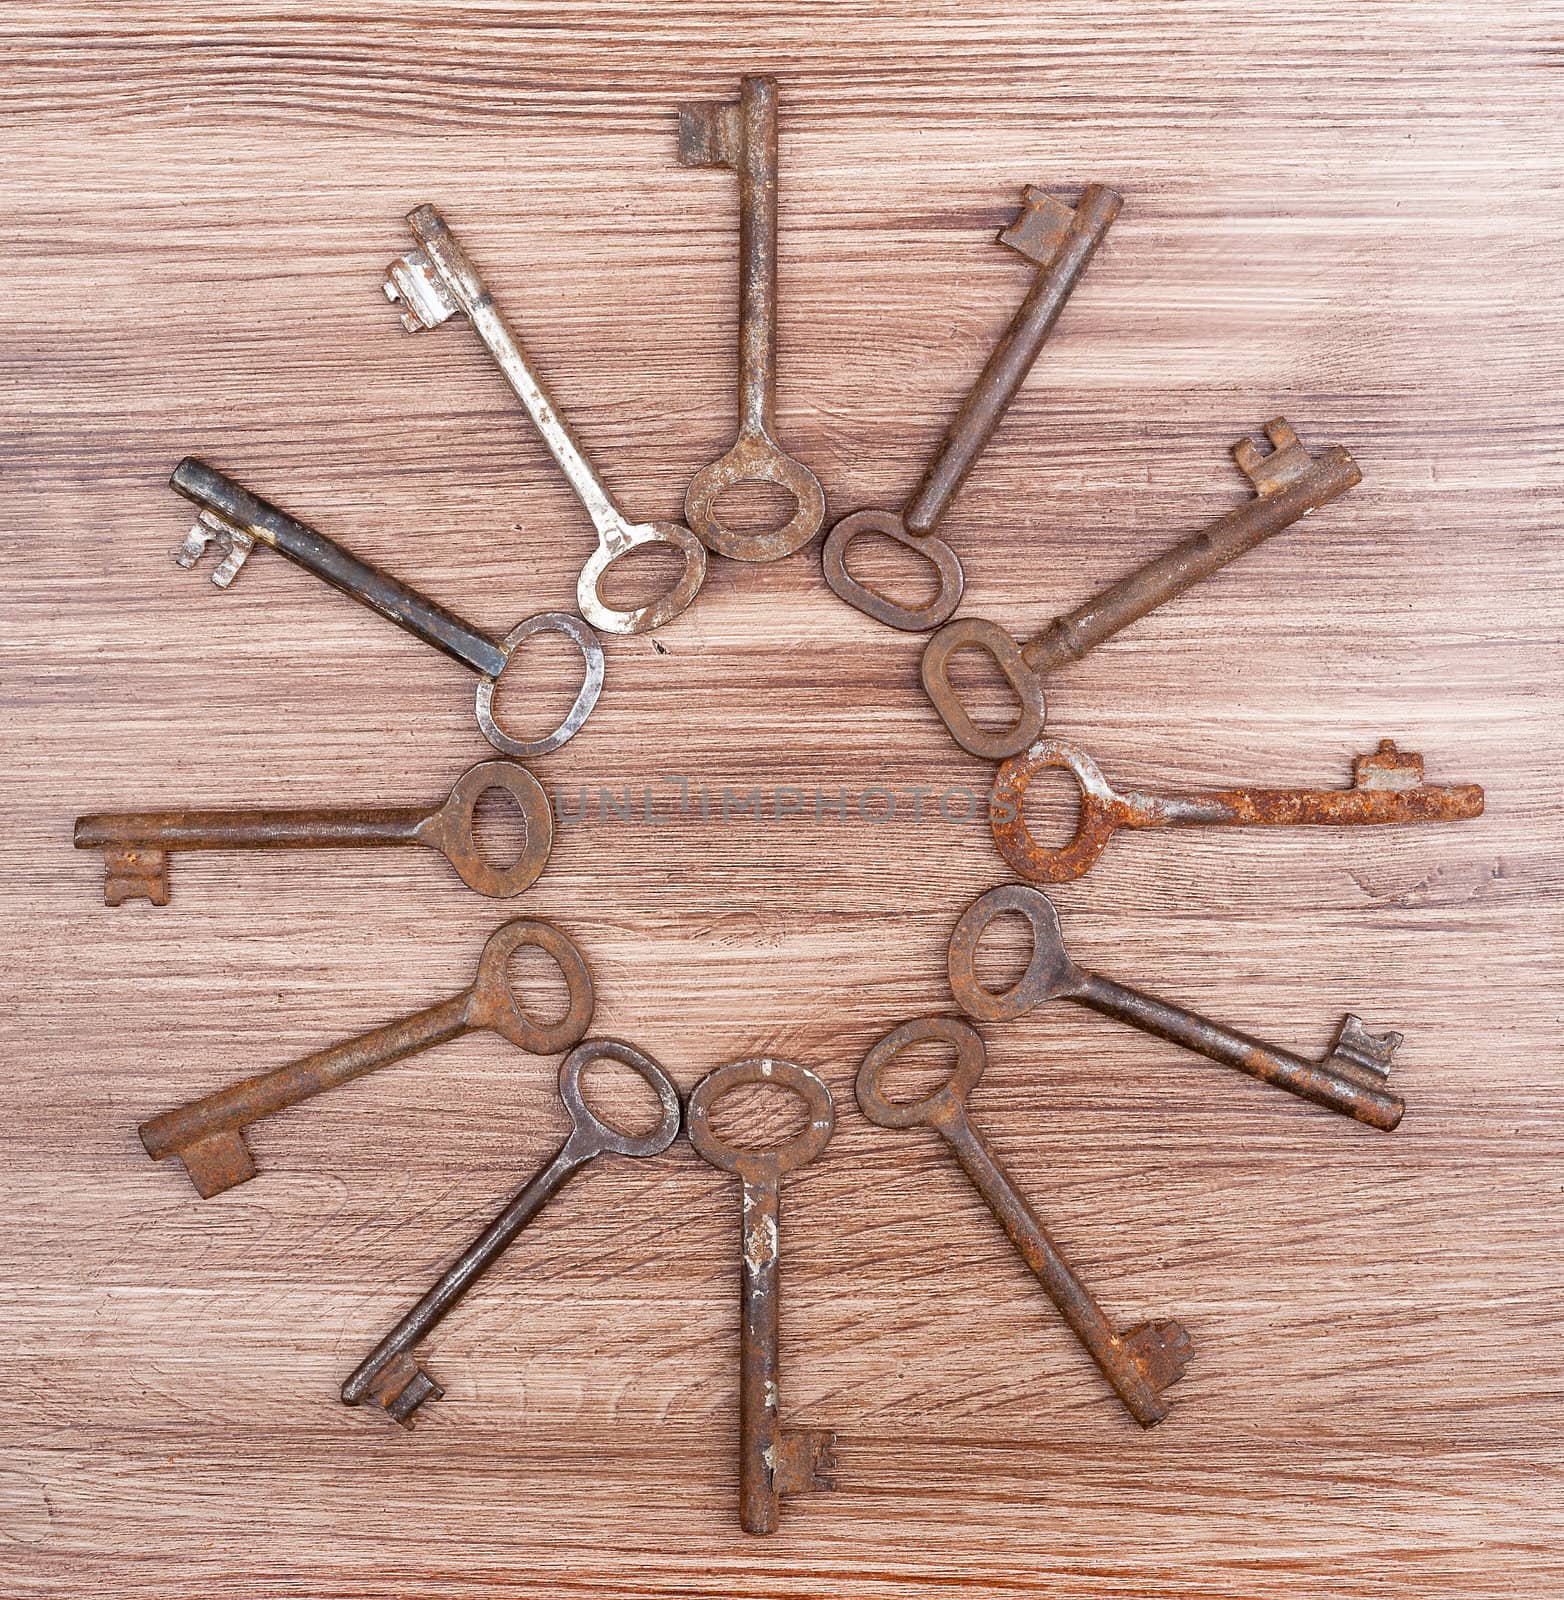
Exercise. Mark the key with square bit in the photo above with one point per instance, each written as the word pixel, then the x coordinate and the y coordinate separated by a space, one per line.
pixel 433 283
pixel 1387 787
pixel 1060 243
pixel 1350 1080
pixel 237 520
pixel 742 134
pixel 1139 1363
pixel 136 845
pixel 208 1134
pixel 773 1460
pixel 392 1375
pixel 1289 483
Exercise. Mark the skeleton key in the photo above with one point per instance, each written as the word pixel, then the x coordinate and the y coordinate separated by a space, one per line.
pixel 1386 787
pixel 436 281
pixel 1060 243
pixel 742 134
pixel 236 519
pixel 1351 1079
pixel 392 1375
pixel 1288 483
pixel 1140 1362
pixel 773 1460
pixel 136 845
pixel 208 1134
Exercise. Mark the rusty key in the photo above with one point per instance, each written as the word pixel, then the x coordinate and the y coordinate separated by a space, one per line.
pixel 1142 1361
pixel 742 134
pixel 1387 787
pixel 208 1134
pixel 1351 1079
pixel 136 845
pixel 1060 242
pixel 1289 483
pixel 773 1460
pixel 392 1375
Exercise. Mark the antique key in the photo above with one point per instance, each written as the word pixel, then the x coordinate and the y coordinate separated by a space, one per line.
pixel 1386 787
pixel 773 1460
pixel 433 283
pixel 208 1134
pixel 393 1375
pixel 1351 1079
pixel 236 519
pixel 136 845
pixel 1140 1362
pixel 1060 243
pixel 1289 483
pixel 742 134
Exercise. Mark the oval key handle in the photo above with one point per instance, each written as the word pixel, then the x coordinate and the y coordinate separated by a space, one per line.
pixel 991 744
pixel 1100 813
pixel 1049 975
pixel 620 543
pixel 872 602
pixel 755 458
pixel 946 1101
pixel 798 1151
pixel 585 641
pixel 494 1003
pixel 595 1134
pixel 450 829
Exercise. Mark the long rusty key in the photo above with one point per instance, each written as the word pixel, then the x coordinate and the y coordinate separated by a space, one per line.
pixel 1387 787
pixel 136 845
pixel 433 283
pixel 773 1460
pixel 1351 1079
pixel 742 134
pixel 237 519
pixel 1060 242
pixel 392 1375
pixel 1289 483
pixel 208 1134
pixel 1142 1361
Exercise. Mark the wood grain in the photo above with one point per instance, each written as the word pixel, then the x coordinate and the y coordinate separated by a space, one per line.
pixel 1352 217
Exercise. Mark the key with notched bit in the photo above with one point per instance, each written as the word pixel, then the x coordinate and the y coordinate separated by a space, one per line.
pixel 208 1134
pixel 1060 242
pixel 1351 1079
pixel 237 520
pixel 136 845
pixel 773 1460
pixel 1139 1363
pixel 1289 483
pixel 392 1375
pixel 1387 787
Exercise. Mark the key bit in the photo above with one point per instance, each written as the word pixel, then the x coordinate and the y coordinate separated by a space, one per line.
pixel 1041 226
pixel 711 133
pixel 401 1386
pixel 1356 1050
pixel 234 543
pixel 412 283
pixel 1162 1351
pixel 803 1461
pixel 134 874
pixel 1388 768
pixel 1284 464
pixel 220 1161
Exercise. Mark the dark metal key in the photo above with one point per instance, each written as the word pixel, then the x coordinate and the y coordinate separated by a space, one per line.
pixel 773 1460
pixel 1061 243
pixel 236 519
pixel 1351 1079
pixel 392 1375
pixel 136 845
pixel 1142 1361
pixel 1289 483
pixel 742 134
pixel 208 1134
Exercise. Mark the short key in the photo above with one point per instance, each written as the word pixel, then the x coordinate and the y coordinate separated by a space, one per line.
pixel 773 1460
pixel 1142 1361
pixel 1351 1079
pixel 1289 483
pixel 742 134
pixel 392 1375
pixel 1387 787
pixel 1060 242
pixel 433 283
pixel 136 845
pixel 237 519
pixel 208 1134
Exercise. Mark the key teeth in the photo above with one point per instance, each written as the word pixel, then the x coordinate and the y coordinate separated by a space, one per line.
pixel 708 133
pixel 1284 463
pixel 1388 768
pixel 1040 228
pixel 218 1162
pixel 402 1386
pixel 1162 1350
pixel 234 543
pixel 806 1461
pixel 1362 1052
pixel 134 873
pixel 412 283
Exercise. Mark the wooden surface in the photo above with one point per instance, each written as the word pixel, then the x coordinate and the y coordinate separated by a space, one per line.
pixel 1351 216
